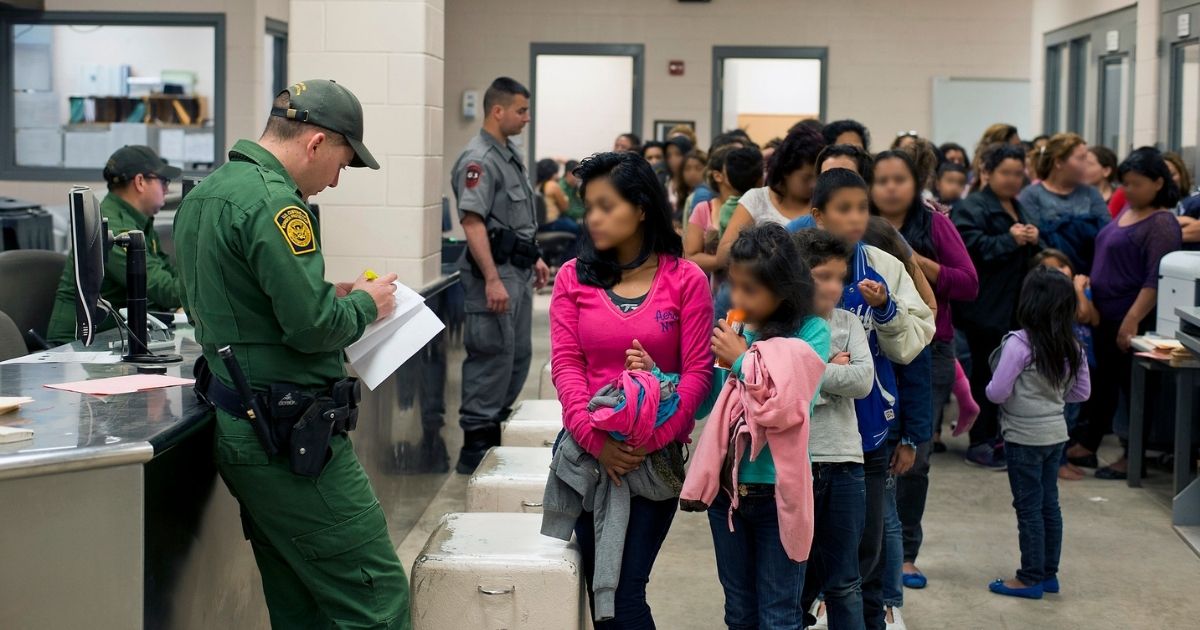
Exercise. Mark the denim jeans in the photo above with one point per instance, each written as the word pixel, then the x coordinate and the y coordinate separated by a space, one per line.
pixel 762 585
pixel 649 522
pixel 839 511
pixel 912 488
pixel 1033 477
pixel 870 558
pixel 893 548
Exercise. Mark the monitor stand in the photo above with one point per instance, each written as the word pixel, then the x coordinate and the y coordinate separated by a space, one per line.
pixel 136 351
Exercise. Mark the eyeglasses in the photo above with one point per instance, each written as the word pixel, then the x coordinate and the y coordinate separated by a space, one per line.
pixel 166 183
pixel 910 132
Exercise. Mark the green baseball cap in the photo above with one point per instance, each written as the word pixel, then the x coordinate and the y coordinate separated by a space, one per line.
pixel 326 104
pixel 133 160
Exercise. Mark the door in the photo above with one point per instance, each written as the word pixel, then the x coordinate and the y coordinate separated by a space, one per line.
pixel 584 96
pixel 1115 89
pixel 1089 80
pixel 766 90
pixel 1181 84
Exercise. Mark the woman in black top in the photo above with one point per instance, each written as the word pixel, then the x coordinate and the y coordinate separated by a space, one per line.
pixel 1001 245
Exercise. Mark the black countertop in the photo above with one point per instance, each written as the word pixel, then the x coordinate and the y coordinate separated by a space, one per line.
pixel 77 431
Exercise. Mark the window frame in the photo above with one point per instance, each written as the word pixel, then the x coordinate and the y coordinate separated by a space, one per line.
pixel 721 53
pixel 9 170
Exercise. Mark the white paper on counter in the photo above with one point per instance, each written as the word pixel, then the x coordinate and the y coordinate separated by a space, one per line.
pixel 66 357
pixel 385 345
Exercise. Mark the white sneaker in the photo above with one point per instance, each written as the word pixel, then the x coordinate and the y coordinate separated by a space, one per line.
pixel 897 622
pixel 818 611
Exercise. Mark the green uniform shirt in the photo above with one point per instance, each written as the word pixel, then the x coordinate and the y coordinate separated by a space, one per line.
pixel 253 277
pixel 575 209
pixel 162 289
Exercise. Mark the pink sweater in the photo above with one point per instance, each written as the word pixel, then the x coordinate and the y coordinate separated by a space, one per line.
pixel 769 405
pixel 589 336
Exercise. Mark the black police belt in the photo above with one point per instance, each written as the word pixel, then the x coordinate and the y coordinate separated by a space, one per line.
pixel 508 248
pixel 301 421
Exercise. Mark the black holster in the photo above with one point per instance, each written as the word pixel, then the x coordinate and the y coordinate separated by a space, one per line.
pixel 301 421
pixel 507 247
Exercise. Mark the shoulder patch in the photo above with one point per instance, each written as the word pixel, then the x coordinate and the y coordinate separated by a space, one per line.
pixel 474 173
pixel 297 230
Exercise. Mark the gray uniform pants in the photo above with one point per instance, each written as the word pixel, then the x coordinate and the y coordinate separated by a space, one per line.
pixel 499 347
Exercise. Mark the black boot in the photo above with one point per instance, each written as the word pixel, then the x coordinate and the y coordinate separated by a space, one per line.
pixel 433 456
pixel 475 445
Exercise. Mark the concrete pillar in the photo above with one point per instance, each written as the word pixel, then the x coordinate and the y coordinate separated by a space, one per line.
pixel 390 54
pixel 1145 75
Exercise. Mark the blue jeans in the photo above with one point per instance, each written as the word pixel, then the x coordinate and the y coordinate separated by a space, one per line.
pixel 649 522
pixel 893 547
pixel 839 513
pixel 1033 477
pixel 762 585
pixel 870 551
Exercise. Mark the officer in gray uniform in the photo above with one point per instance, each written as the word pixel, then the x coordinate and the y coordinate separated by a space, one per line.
pixel 501 268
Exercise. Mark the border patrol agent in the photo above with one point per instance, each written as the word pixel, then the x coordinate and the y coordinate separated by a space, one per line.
pixel 252 273
pixel 500 269
pixel 137 188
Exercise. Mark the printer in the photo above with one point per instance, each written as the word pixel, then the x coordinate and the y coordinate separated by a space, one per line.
pixel 1178 285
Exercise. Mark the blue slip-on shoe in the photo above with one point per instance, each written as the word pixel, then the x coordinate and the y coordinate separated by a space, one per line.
pixel 915 580
pixel 984 456
pixel 1029 592
pixel 1050 585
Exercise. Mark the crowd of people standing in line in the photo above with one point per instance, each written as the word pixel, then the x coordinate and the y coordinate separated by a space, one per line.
pixel 872 288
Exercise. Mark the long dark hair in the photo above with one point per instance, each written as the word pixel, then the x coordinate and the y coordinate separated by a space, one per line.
pixel 1046 311
pixel 799 149
pixel 883 235
pixel 918 220
pixel 769 254
pixel 1149 162
pixel 633 179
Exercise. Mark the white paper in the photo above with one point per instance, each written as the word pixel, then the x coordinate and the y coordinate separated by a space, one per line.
pixel 390 353
pixel 66 357
pixel 15 434
pixel 170 144
pixel 198 147
pixel 407 301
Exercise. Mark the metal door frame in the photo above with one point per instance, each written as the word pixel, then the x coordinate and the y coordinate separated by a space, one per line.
pixel 721 53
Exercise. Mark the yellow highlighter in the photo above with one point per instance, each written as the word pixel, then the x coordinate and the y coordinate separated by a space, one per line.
pixel 370 274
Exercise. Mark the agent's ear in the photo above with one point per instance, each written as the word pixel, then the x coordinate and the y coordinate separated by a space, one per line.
pixel 314 141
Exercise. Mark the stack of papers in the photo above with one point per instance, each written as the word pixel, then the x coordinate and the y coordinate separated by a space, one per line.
pixel 122 384
pixel 385 345
pixel 11 403
pixel 66 357
pixel 1170 351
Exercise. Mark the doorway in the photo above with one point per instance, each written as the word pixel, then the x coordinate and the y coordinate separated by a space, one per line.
pixel 1181 83
pixel 766 90
pixel 584 96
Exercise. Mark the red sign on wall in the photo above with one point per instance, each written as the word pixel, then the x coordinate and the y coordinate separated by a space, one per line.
pixel 675 67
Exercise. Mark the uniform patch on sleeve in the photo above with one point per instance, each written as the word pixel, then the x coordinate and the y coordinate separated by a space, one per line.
pixel 297 230
pixel 473 175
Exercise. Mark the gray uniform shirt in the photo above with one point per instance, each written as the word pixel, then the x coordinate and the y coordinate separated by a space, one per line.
pixel 489 179
pixel 833 436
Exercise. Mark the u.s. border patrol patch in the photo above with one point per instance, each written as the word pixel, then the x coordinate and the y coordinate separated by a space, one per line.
pixel 297 230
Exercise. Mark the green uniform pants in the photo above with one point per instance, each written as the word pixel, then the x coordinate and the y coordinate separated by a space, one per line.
pixel 321 544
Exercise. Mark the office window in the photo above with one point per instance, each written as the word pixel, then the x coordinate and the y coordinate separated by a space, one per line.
pixel 1114 94
pixel 78 89
pixel 1057 73
pixel 1076 85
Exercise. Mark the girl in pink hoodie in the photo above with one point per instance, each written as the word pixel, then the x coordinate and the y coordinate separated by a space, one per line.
pixel 629 292
pixel 751 469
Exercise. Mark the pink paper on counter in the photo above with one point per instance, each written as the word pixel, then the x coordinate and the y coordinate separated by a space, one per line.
pixel 122 384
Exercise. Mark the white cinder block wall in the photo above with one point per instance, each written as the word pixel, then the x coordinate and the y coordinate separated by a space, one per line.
pixel 883 55
pixel 390 54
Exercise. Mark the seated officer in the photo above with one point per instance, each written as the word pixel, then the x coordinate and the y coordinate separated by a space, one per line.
pixel 137 186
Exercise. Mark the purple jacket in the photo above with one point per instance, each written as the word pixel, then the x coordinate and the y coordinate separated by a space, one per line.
pixel 957 280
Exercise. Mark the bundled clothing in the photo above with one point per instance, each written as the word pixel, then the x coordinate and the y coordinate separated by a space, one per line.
pixel 631 407
pixel 769 405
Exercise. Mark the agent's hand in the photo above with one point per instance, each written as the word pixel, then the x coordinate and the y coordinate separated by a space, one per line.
pixel 497 296
pixel 874 293
pixel 541 274
pixel 841 358
pixel 726 344
pixel 903 458
pixel 381 290
pixel 636 358
pixel 619 459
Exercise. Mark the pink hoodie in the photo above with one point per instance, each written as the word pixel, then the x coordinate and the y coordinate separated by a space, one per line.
pixel 769 405
pixel 635 421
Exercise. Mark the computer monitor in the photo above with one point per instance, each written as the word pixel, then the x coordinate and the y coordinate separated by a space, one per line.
pixel 90 244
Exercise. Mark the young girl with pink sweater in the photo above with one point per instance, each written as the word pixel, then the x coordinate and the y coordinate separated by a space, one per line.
pixel 629 292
